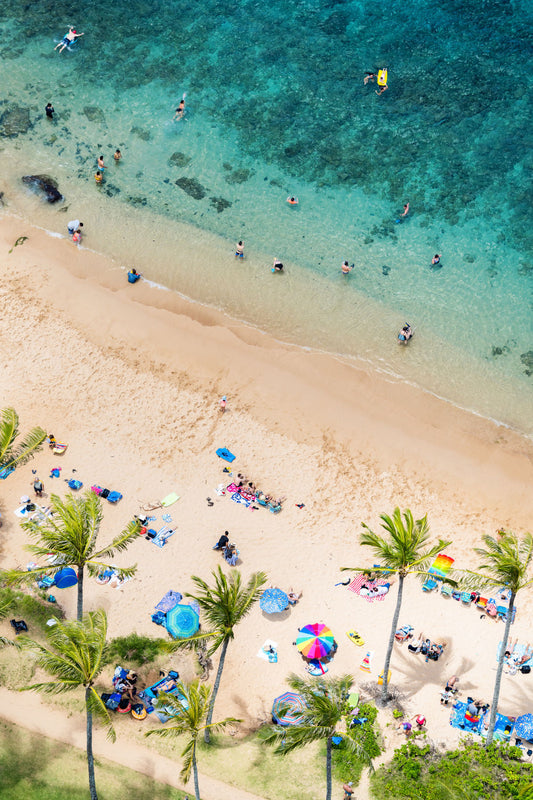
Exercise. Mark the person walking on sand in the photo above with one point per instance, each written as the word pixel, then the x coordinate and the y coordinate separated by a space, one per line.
pixel 223 403
pixel 68 38
pixel 239 249
pixel 38 487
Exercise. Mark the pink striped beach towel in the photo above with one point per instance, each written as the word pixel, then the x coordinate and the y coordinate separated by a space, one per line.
pixel 357 584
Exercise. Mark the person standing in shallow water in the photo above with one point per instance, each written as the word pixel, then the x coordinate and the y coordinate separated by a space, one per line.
pixel 49 111
pixel 117 155
pixel 239 249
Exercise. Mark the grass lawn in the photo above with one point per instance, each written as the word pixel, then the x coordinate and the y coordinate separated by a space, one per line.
pixel 35 768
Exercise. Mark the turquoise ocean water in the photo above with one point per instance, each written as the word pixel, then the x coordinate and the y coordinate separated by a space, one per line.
pixel 276 106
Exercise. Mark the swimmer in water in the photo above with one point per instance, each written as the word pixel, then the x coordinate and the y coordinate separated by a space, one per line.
pixel 292 201
pixel 67 39
pixel 98 176
pixel 180 111
pixel 117 155
pixel 346 268
pixel 405 210
pixel 435 261
pixel 277 266
pixel 405 333
pixel 369 76
pixel 101 164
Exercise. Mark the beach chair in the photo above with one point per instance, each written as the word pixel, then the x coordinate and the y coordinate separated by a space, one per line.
pixel 466 598
pixel 502 612
pixel 491 609
pixel 446 590
pixel 429 585
pixel 481 603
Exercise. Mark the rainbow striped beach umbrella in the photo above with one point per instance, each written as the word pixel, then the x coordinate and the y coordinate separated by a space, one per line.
pixel 315 641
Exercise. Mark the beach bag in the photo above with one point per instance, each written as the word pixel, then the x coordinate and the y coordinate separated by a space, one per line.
pixel 526 669
pixel 113 701
pixel 159 618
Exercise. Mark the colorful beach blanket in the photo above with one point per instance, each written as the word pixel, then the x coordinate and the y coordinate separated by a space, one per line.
pixel 162 536
pixel 441 566
pixel 357 584
pixel 239 499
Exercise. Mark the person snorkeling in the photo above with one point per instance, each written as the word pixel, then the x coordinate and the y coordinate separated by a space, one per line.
pixel 405 334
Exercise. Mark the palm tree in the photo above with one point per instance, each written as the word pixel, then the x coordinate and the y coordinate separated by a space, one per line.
pixel 12 454
pixel 187 713
pixel 326 701
pixel 75 658
pixel 70 534
pixel 404 553
pixel 506 562
pixel 224 605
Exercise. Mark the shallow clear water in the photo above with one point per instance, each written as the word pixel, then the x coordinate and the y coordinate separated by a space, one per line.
pixel 276 105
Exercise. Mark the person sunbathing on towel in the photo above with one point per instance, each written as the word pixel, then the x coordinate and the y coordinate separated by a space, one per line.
pixel 526 656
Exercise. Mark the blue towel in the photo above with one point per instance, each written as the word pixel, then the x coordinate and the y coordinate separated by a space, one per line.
pixel 224 453
pixel 6 472
pixel 162 535
pixel 114 497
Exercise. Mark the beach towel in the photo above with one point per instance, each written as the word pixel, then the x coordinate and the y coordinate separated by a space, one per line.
pixel 6 472
pixel 114 497
pixel 74 484
pixel 460 719
pixel 366 664
pixel 232 488
pixel 162 536
pixel 441 566
pixel 169 601
pixel 224 453
pixel 236 497
pixel 170 499
pixel 357 584
pixel 166 518
pixel 264 655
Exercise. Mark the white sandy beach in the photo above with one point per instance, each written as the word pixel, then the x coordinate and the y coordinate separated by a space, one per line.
pixel 131 376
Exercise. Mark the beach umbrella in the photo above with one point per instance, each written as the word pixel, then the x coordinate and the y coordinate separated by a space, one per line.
pixel 315 641
pixel 288 709
pixel 182 621
pixel 273 600
pixel 523 726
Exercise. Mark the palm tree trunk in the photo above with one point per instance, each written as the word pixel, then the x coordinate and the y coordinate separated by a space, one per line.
pixel 328 768
pixel 499 670
pixel 90 757
pixel 80 594
pixel 385 691
pixel 195 774
pixel 216 684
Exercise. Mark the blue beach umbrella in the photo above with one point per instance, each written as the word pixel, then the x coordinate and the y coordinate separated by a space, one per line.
pixel 182 621
pixel 273 600
pixel 523 726
pixel 288 709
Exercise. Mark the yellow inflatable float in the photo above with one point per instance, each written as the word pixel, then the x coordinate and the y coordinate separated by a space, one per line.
pixel 382 77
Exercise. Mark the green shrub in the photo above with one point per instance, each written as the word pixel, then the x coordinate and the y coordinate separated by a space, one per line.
pixel 472 772
pixel 134 649
pixel 348 765
pixel 397 714
pixel 33 610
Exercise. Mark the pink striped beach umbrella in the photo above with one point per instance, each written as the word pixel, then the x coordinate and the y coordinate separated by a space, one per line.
pixel 315 641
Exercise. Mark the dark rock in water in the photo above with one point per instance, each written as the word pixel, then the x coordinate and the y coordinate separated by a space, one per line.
pixel 137 201
pixel 141 133
pixel 499 351
pixel 238 176
pixel 111 190
pixel 469 259
pixel 527 361
pixel 45 184
pixel 192 187
pixel 385 269
pixel 179 159
pixel 227 166
pixel 220 203
pixel 94 114
pixel 15 120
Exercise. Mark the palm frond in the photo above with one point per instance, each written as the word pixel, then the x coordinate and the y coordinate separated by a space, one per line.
pixel 13 453
pixel 121 541
pixel 31 444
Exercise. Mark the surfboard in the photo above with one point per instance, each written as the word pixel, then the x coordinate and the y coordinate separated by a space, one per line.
pixel 355 638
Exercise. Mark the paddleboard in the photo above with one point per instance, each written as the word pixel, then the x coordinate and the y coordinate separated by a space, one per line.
pixel 355 638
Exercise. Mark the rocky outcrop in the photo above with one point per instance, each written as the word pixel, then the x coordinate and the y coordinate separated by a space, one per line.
pixel 44 184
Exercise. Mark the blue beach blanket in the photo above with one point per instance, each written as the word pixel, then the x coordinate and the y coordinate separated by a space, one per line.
pixel 224 453
pixel 170 600
pixel 457 719
pixel 236 497
pixel 162 536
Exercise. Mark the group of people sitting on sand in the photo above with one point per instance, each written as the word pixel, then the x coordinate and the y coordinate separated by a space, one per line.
pixel 249 490
pixel 229 550
pixel 431 650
